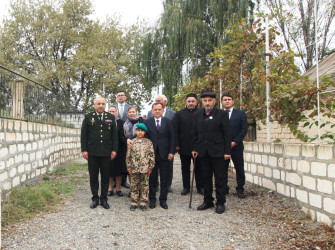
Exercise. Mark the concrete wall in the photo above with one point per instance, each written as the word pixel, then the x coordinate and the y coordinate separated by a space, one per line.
pixel 302 172
pixel 30 149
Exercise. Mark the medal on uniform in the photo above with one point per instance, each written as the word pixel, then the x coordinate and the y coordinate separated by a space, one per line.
pixel 109 127
pixel 92 121
pixel 211 117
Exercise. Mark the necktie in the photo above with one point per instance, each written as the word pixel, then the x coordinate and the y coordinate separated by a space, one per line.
pixel 157 125
pixel 100 117
pixel 121 111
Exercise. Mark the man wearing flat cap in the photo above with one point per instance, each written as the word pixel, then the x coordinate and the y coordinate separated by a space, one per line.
pixel 211 146
pixel 183 122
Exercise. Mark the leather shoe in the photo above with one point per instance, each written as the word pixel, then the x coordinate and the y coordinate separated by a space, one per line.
pixel 200 191
pixel 119 193
pixel 143 208
pixel 163 204
pixel 169 189
pixel 133 207
pixel 105 205
pixel 152 204
pixel 129 195
pixel 205 206
pixel 125 185
pixel 240 194
pixel 185 191
pixel 110 193
pixel 94 204
pixel 220 209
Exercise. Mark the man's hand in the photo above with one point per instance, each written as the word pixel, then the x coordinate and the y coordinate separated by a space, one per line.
pixel 170 157
pixel 85 155
pixel 233 144
pixel 226 157
pixel 194 154
pixel 129 143
pixel 177 149
pixel 130 173
pixel 149 172
pixel 113 155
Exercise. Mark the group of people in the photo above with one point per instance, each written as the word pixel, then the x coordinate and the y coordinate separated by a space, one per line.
pixel 118 142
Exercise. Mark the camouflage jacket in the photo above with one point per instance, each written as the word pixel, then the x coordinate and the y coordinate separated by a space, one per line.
pixel 141 156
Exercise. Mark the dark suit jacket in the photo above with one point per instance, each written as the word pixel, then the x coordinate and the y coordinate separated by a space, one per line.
pixel 239 124
pixel 169 113
pixel 183 124
pixel 212 135
pixel 164 140
pixel 99 138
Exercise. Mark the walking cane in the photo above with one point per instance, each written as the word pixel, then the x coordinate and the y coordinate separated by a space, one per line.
pixel 189 206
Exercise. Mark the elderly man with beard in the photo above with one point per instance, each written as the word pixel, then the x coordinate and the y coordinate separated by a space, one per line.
pixel 183 122
pixel 211 144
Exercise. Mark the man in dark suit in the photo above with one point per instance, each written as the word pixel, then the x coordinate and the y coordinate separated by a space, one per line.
pixel 161 133
pixel 99 146
pixel 239 124
pixel 167 113
pixel 211 144
pixel 183 122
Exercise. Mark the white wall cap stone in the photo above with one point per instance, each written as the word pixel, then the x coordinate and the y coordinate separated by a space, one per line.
pixel 292 149
pixel 308 150
pixel 325 152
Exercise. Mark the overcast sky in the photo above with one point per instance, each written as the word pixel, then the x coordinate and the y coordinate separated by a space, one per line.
pixel 128 10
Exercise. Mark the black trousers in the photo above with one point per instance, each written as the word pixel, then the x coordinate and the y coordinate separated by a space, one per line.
pixel 216 166
pixel 163 167
pixel 170 173
pixel 98 164
pixel 186 172
pixel 237 158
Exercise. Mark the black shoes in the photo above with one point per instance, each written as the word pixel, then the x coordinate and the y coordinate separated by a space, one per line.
pixel 240 194
pixel 163 204
pixel 125 185
pixel 205 206
pixel 110 193
pixel 105 205
pixel 169 190
pixel 200 191
pixel 129 195
pixel 152 204
pixel 133 207
pixel 185 191
pixel 94 204
pixel 143 208
pixel 220 209
pixel 119 193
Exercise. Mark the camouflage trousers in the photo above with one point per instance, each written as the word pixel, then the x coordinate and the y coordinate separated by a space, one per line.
pixel 139 189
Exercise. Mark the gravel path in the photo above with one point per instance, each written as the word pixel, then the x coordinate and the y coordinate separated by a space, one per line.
pixel 261 221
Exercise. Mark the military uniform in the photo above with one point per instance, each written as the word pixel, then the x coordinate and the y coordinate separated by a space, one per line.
pixel 99 138
pixel 139 159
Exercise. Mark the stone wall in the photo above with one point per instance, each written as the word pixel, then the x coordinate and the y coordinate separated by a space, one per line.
pixel 302 172
pixel 31 149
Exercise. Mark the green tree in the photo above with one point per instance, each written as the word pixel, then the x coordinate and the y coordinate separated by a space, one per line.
pixel 293 97
pixel 57 43
pixel 187 32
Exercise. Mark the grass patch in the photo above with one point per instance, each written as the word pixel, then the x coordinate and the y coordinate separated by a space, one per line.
pixel 24 202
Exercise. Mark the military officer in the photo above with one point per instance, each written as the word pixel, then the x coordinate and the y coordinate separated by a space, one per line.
pixel 99 144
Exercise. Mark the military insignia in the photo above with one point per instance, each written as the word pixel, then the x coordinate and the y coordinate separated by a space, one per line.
pixel 211 117
pixel 92 121
pixel 109 127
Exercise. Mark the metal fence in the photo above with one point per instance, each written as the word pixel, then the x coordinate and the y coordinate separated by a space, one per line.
pixel 25 99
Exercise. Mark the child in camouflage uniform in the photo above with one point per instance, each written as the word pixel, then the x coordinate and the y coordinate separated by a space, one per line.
pixel 140 161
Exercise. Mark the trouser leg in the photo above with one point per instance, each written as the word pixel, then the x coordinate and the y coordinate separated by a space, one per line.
pixel 185 170
pixel 144 189
pixel 134 188
pixel 207 172
pixel 237 157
